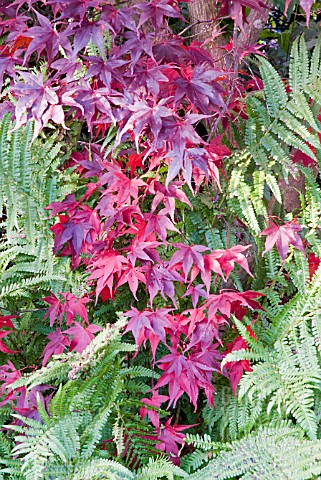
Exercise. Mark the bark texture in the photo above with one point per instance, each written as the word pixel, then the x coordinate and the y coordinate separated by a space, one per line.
pixel 204 10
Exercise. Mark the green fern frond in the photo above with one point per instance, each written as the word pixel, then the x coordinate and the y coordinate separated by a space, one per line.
pixel 160 469
pixel 268 454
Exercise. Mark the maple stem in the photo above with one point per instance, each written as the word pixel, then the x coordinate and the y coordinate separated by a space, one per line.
pixel 178 411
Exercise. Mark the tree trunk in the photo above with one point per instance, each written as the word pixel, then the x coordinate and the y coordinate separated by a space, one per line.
pixel 204 10
pixel 254 26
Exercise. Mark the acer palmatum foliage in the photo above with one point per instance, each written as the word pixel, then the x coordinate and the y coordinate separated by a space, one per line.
pixel 283 236
pixel 121 69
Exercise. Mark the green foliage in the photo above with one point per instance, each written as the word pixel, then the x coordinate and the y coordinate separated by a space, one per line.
pixel 278 121
pixel 272 429
pixel 270 453
pixel 92 429
pixel 93 403
pixel 30 179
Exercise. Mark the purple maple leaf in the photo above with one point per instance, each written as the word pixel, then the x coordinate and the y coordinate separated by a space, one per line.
pixel 72 9
pixel 45 37
pixel 145 114
pixel 105 70
pixel 160 279
pixel 149 325
pixel 144 251
pixel 155 11
pixel 200 86
pixel 137 43
pixel 35 96
pixel 148 74
pixel 8 64
pixel 91 30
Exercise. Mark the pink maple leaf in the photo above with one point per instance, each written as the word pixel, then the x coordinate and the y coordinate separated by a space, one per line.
pixel 170 438
pixel 188 255
pixel 149 325
pixel 132 276
pixel 155 401
pixel 82 336
pixel 58 343
pixel 108 268
pixel 187 374
pixel 283 236
pixel 224 301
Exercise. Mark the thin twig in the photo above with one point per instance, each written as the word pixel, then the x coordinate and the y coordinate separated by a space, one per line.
pixel 198 22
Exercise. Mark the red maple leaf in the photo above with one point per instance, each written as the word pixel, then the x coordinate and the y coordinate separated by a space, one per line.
pixel 303 159
pixel 237 368
pixel 3 347
pixel 125 188
pixel 283 236
pixel 107 269
pixel 135 160
pixel 5 321
pixel 314 263
pixel 236 9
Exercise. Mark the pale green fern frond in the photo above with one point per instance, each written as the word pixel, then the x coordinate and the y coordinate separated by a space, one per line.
pixel 275 453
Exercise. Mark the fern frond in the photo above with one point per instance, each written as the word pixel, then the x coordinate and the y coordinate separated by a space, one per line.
pixel 268 454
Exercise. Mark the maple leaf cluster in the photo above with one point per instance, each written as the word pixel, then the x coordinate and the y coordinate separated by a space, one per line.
pixel 82 334
pixel 123 68
pixel 122 244
pixel 148 83
pixel 22 401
